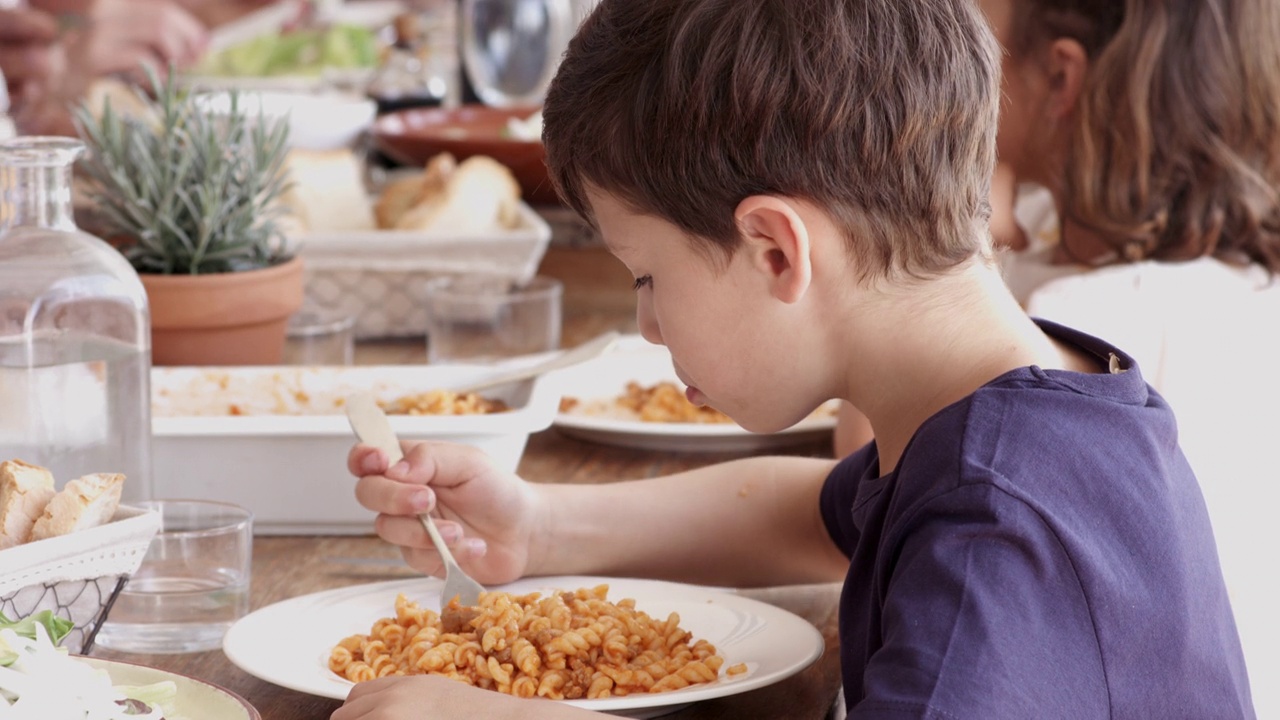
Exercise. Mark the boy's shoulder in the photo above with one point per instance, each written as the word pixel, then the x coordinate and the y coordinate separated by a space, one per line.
pixel 1031 428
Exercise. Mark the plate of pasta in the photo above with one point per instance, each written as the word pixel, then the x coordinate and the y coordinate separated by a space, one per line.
pixel 635 648
pixel 631 397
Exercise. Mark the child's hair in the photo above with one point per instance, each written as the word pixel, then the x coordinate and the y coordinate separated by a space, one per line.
pixel 881 112
pixel 1175 152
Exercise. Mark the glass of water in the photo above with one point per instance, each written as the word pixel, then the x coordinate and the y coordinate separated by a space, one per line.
pixel 192 585
pixel 479 319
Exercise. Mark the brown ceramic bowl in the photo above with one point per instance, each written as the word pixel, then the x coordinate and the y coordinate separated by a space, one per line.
pixel 413 136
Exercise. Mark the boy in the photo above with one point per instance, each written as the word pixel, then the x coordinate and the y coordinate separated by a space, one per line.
pixel 800 191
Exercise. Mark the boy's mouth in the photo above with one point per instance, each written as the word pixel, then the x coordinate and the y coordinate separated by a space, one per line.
pixel 695 395
pixel 691 393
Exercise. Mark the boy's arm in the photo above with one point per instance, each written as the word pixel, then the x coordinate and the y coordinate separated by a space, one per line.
pixel 744 523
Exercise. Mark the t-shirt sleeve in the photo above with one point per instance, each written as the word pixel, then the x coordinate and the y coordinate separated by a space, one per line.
pixel 838 494
pixel 983 617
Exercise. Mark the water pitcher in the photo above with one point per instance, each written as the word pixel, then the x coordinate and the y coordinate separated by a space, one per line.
pixel 74 329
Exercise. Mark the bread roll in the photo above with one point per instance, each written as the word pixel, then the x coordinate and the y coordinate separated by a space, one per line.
pixel 328 193
pixel 85 502
pixel 480 194
pixel 25 491
pixel 401 195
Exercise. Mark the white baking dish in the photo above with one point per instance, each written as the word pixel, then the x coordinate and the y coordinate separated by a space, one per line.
pixel 289 468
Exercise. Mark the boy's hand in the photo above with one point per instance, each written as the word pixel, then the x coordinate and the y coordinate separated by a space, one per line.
pixel 487 517
pixel 424 697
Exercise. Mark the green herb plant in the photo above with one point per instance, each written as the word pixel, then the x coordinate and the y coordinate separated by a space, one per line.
pixel 188 191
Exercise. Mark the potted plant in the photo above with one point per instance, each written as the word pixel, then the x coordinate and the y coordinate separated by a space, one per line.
pixel 192 198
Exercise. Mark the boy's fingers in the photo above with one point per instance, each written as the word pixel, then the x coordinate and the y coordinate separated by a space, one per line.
pixel 442 464
pixel 407 532
pixel 425 561
pixel 366 460
pixel 393 497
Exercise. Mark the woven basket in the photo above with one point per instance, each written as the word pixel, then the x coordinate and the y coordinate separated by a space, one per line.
pixel 380 277
pixel 77 576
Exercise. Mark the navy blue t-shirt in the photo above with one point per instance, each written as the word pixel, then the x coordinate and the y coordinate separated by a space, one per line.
pixel 1042 550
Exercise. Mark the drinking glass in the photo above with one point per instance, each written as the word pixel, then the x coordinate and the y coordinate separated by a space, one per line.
pixel 192 585
pixel 473 319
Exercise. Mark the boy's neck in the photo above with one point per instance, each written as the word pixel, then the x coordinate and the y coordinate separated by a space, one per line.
pixel 953 335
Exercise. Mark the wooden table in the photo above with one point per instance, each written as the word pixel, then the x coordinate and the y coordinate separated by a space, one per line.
pixel 285 567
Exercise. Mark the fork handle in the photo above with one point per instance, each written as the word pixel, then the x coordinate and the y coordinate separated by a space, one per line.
pixel 438 541
pixel 373 428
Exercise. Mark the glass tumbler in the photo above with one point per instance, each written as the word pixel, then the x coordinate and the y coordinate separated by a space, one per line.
pixel 474 319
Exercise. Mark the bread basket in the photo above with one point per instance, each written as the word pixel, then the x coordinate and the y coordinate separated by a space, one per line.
pixel 380 277
pixel 77 576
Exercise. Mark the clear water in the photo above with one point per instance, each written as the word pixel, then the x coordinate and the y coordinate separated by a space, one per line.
pixel 175 614
pixel 77 404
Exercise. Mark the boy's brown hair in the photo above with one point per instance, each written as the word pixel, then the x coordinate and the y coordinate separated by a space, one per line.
pixel 881 112
pixel 1175 151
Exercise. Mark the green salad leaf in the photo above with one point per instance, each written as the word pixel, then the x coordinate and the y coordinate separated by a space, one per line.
pixel 298 52
pixel 57 628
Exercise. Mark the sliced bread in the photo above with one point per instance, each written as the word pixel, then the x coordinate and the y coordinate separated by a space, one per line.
pixel 85 502
pixel 25 491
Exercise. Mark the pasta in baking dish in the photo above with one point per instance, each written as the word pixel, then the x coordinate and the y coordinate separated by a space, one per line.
pixel 560 646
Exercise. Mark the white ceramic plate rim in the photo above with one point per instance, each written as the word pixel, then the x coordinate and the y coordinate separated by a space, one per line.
pixel 288 643
pixel 709 430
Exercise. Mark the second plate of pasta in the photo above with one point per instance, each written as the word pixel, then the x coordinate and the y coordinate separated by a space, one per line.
pixel 292 643
pixel 631 397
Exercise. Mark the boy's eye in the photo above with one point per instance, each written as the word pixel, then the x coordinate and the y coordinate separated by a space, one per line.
pixel 642 281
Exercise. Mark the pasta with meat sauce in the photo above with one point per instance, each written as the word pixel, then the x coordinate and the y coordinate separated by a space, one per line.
pixel 559 646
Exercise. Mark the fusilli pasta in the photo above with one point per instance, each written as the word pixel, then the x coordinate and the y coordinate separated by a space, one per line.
pixel 561 646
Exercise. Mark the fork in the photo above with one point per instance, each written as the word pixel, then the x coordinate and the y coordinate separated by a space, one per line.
pixel 372 427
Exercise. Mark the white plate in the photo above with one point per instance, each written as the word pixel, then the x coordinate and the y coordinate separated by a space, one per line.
pixel 288 643
pixel 317 121
pixel 637 360
pixel 196 699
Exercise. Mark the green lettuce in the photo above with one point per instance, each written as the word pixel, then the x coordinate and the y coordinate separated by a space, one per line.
pixel 57 628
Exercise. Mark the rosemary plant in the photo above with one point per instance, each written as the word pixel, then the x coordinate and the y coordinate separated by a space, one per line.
pixel 188 191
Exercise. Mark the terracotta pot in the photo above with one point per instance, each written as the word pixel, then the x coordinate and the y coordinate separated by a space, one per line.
pixel 223 319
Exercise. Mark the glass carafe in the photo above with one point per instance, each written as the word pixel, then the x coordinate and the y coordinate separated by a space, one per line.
pixel 75 355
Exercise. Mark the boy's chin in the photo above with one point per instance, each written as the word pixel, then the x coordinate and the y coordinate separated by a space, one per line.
pixel 762 425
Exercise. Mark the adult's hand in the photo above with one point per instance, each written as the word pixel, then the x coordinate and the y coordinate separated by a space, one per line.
pixel 29 54
pixel 124 36
pixel 34 64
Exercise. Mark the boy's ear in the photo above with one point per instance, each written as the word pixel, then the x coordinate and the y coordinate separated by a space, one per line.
pixel 777 241
pixel 1068 64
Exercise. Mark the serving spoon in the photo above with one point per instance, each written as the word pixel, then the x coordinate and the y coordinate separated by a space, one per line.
pixel 372 427
pixel 589 350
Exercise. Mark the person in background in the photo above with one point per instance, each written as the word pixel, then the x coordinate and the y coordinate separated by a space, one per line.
pixel 52 51
pixel 1144 140
pixel 32 62
pixel 801 191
